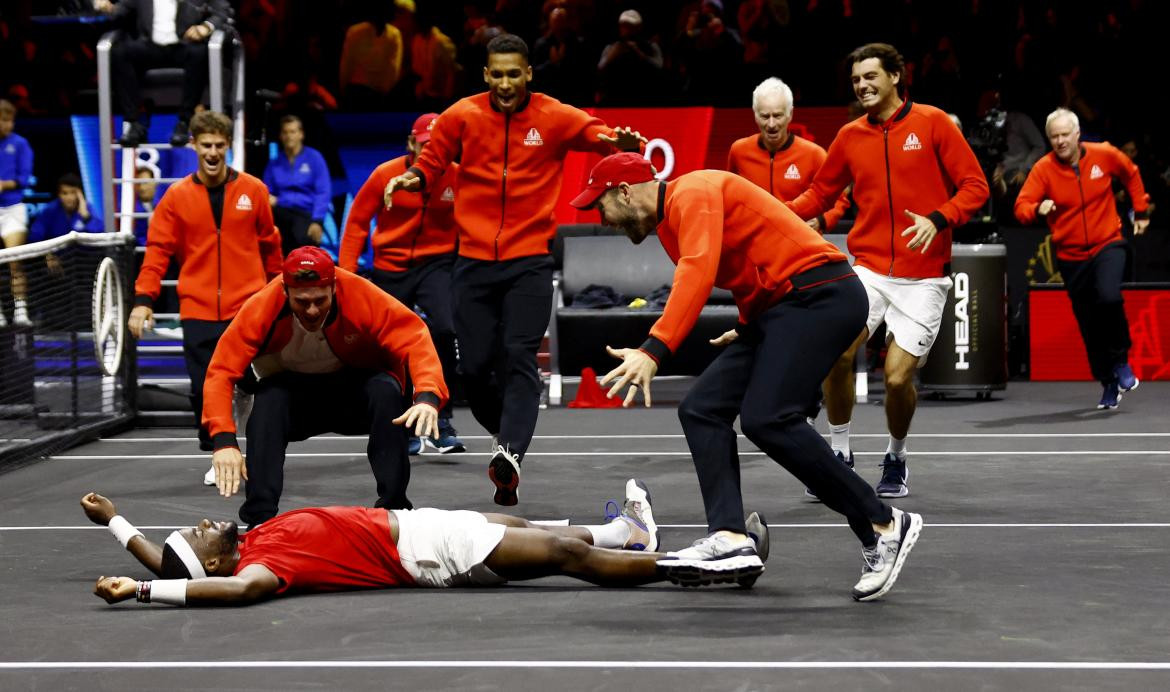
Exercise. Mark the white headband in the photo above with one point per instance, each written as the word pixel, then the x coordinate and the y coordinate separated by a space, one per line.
pixel 187 554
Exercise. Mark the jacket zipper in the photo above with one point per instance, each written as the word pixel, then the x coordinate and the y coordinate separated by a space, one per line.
pixel 772 173
pixel 889 193
pixel 504 183
pixel 1081 190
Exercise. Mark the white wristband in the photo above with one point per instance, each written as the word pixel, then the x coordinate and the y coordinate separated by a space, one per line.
pixel 122 529
pixel 169 591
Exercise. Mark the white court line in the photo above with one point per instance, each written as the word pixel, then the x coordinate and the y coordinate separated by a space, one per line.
pixel 631 453
pixel 565 522
pixel 628 665
pixel 883 436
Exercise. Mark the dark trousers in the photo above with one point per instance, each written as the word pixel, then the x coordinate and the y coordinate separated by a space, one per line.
pixel 501 314
pixel 429 287
pixel 770 376
pixel 1094 287
pixel 290 407
pixel 294 228
pixel 130 58
pixel 199 340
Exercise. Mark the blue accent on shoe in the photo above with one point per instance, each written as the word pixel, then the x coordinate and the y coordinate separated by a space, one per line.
pixel 414 446
pixel 1126 380
pixel 1110 397
pixel 612 511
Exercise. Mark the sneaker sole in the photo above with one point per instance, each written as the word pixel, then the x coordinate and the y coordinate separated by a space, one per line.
pixel 1106 407
pixel 448 449
pixel 651 525
pixel 733 570
pixel 503 475
pixel 907 545
pixel 757 530
pixel 898 492
pixel 1136 382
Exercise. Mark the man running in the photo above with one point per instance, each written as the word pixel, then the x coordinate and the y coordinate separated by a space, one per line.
pixel 350 548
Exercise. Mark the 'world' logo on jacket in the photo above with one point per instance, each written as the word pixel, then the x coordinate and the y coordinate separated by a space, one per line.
pixel 533 139
pixel 912 143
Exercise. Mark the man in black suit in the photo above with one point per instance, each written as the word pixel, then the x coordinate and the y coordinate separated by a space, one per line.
pixel 164 33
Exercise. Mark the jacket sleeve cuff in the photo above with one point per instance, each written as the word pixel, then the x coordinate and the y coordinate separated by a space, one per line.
pixel 223 440
pixel 427 398
pixel 421 176
pixel 940 222
pixel 1143 215
pixel 142 299
pixel 824 225
pixel 655 348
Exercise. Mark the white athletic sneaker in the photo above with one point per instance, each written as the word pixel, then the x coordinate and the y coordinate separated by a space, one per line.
pixel 637 512
pixel 209 477
pixel 713 559
pixel 884 562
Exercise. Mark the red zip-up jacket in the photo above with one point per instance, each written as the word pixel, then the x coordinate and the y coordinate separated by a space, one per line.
pixel 223 258
pixel 415 228
pixel 366 328
pixel 1085 218
pixel 510 170
pixel 916 160
pixel 784 173
pixel 722 230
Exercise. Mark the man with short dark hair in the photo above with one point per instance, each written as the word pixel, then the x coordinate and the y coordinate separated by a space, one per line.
pixel 333 353
pixel 299 187
pixel 511 144
pixel 1071 188
pixel 799 304
pixel 218 225
pixel 908 164
pixel 69 212
pixel 322 549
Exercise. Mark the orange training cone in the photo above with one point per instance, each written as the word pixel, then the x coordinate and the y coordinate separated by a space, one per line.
pixel 590 393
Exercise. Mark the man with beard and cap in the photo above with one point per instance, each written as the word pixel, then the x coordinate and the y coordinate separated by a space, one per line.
pixel 218 225
pixel 511 145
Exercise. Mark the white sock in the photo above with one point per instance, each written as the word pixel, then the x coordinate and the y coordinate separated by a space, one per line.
pixel 897 447
pixel 839 438
pixel 611 535
pixel 19 307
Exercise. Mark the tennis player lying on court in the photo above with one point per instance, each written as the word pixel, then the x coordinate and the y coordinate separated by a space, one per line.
pixel 349 548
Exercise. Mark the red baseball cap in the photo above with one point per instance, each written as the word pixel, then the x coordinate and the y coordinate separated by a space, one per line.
pixel 422 127
pixel 312 259
pixel 626 167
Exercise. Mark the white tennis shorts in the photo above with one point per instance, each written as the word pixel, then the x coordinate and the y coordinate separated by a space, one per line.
pixel 441 548
pixel 13 219
pixel 911 308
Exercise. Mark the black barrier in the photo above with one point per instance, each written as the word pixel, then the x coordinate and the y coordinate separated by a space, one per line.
pixel 970 353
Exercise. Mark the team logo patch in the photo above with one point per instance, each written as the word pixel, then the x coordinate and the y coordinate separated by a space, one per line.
pixel 1096 172
pixel 244 203
pixel 448 195
pixel 305 168
pixel 533 139
pixel 10 149
pixel 793 173
pixel 911 143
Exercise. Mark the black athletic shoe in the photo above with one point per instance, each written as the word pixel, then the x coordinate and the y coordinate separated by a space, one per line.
pixel 134 135
pixel 894 477
pixel 181 135
pixel 504 472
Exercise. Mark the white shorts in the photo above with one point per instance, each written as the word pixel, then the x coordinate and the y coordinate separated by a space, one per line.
pixel 442 548
pixel 911 308
pixel 13 219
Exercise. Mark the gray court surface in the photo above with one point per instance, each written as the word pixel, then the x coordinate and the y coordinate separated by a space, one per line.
pixel 1043 565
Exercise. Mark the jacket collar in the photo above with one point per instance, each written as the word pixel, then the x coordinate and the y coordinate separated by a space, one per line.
pixel 902 113
pixel 787 143
pixel 232 175
pixel 522 106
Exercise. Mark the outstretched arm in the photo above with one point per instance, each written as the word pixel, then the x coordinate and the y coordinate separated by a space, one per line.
pixel 254 583
pixel 102 512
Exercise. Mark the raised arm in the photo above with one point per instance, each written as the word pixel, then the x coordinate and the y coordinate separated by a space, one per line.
pixel 101 511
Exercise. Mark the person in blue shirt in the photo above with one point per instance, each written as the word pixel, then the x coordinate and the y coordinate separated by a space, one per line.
pixel 145 197
pixel 298 187
pixel 16 167
pixel 69 212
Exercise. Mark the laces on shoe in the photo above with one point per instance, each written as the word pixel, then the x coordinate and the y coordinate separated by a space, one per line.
pixel 873 559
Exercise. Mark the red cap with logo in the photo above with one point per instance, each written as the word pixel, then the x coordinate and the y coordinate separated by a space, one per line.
pixel 627 167
pixel 422 127
pixel 307 259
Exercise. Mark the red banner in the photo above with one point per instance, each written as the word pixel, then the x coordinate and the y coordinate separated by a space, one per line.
pixel 686 139
pixel 1058 353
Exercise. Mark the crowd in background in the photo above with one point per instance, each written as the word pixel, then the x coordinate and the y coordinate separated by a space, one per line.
pixel 965 56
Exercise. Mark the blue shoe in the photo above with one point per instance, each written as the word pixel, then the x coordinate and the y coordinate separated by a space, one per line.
pixel 448 442
pixel 841 458
pixel 1111 396
pixel 414 446
pixel 894 476
pixel 1126 380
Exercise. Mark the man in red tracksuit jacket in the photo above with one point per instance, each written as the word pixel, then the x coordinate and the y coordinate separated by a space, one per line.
pixel 333 353
pixel 414 251
pixel 913 176
pixel 800 304
pixel 511 145
pixel 1071 188
pixel 781 162
pixel 218 225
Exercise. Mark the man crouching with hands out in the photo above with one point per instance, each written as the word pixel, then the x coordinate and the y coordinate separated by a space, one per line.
pixel 332 353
